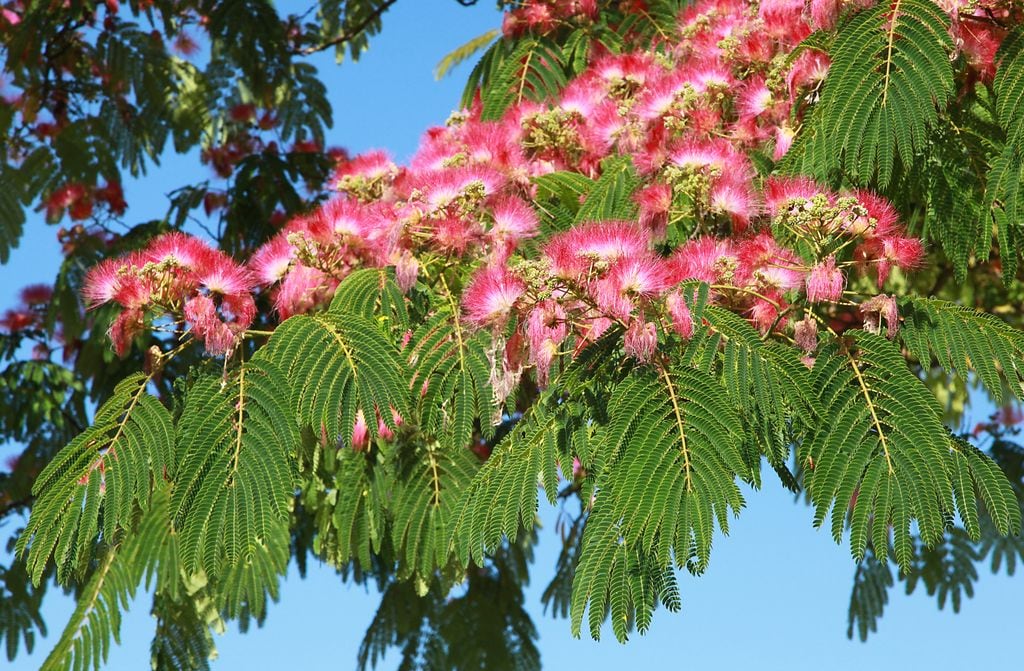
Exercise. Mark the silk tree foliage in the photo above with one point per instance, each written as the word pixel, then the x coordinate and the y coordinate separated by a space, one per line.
pixel 662 246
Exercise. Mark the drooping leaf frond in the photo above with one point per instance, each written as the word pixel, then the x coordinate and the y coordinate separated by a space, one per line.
pixel 671 454
pixel 890 77
pixel 451 377
pixel 183 639
pixel 235 482
pixel 882 458
pixel 372 293
pixel 96 621
pixel 1004 194
pixel 767 385
pixel 463 53
pixel 533 71
pixel 962 340
pixel 95 485
pixel 359 519
pixel 502 499
pixel 871 583
pixel 946 570
pixel 428 483
pixel 335 365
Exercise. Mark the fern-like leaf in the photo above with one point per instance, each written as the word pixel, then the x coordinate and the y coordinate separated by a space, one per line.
pixel 962 340
pixel 533 71
pixel 463 53
pixel 429 480
pixel 889 79
pixel 503 498
pixel 612 194
pixel 236 483
pixel 1004 193
pixel 881 457
pixel 671 454
pixel 871 583
pixel 334 365
pixel 96 620
pixel 94 485
pixel 451 377
pixel 372 293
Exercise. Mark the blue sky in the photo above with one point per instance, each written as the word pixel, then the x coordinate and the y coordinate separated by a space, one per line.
pixel 776 594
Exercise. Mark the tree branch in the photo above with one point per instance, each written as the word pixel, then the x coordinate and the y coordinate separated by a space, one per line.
pixel 347 35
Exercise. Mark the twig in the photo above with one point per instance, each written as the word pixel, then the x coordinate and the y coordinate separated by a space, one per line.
pixel 347 35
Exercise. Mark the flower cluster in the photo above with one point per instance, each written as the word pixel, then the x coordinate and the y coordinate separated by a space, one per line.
pixel 181 276
pixel 545 16
pixel 781 251
pixel 28 319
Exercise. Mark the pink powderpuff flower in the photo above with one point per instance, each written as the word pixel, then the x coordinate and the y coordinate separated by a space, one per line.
pixel 224 277
pixel 904 253
pixel 115 280
pixel 735 199
pixel 75 197
pixel 679 312
pixel 880 210
pixel 654 201
pixel 590 331
pixel 581 97
pixel 805 334
pixel 825 282
pixel 595 245
pixel 640 277
pixel 766 313
pixel 514 220
pixel 781 194
pixel 661 94
pixel 127 325
pixel 706 259
pixel 784 19
pixel 604 128
pixel 763 263
pixel 547 321
pixel 341 219
pixel 491 296
pixel 385 431
pixel 980 42
pixel 360 432
pixel 755 98
pixel 718 154
pixel 179 249
pixel 542 357
pixel 490 142
pixel 710 74
pixel 441 187
pixel 636 67
pixel 14 321
pixel 784 136
pixel 823 13
pixel 455 235
pixel 238 310
pixel 272 261
pixel 302 289
pixel 36 294
pixel 372 165
pixel 407 269
pixel 201 312
pixel 641 340
pixel 809 68
pixel 1009 415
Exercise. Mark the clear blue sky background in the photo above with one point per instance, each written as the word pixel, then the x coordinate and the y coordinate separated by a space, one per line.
pixel 776 594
